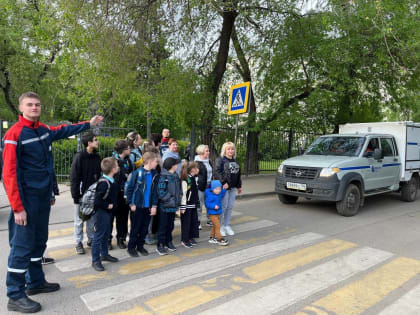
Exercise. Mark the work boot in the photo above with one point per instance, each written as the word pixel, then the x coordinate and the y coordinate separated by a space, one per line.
pixel 133 252
pixel 121 243
pixel 47 260
pixel 45 288
pixel 97 265
pixel 143 251
pixel 89 243
pixel 109 258
pixel 23 305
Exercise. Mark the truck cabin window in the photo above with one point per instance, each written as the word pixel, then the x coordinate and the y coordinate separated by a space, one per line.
pixel 340 146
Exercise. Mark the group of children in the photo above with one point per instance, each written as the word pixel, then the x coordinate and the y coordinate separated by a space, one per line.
pixel 148 192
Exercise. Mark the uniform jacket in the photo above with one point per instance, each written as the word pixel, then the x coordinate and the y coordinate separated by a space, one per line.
pixel 169 191
pixel 136 185
pixel 85 170
pixel 28 160
pixel 228 171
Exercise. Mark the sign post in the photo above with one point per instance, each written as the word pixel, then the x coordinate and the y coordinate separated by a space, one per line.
pixel 238 102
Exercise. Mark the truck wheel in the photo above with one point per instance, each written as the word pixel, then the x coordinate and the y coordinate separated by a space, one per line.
pixel 287 199
pixel 350 204
pixel 409 190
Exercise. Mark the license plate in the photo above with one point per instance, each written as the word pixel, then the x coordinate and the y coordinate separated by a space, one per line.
pixel 296 186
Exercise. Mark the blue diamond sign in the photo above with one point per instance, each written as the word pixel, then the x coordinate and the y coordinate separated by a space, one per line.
pixel 238 98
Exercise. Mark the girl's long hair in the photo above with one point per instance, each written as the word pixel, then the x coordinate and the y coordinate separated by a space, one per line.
pixel 186 169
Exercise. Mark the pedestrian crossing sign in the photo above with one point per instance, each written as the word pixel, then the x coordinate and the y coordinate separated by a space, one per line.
pixel 238 98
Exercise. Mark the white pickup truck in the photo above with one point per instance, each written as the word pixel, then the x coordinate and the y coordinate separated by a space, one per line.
pixel 364 159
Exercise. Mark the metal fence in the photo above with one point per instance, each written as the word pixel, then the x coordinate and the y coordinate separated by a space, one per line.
pixel 274 145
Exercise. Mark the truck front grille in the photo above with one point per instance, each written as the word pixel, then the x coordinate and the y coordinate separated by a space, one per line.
pixel 301 172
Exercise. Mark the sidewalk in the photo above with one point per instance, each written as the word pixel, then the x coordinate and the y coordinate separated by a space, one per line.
pixel 252 186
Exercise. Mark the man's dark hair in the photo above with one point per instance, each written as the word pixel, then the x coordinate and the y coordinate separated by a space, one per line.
pixel 156 138
pixel 120 146
pixel 87 137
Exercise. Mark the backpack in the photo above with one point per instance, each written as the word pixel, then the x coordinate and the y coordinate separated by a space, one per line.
pixel 86 206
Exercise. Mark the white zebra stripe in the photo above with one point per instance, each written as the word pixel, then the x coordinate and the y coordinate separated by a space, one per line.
pixel 123 292
pixel 408 304
pixel 286 292
pixel 80 262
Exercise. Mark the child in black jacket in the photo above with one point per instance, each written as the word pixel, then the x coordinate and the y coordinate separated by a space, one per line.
pixel 190 204
pixel 105 200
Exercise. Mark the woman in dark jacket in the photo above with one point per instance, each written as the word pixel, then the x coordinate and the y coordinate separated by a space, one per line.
pixel 204 177
pixel 228 171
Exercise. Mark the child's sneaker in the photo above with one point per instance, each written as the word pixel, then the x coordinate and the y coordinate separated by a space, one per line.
pixel 200 227
pixel 187 245
pixel 222 231
pixel 161 250
pixel 212 240
pixel 171 247
pixel 222 242
pixel 209 223
pixel 193 242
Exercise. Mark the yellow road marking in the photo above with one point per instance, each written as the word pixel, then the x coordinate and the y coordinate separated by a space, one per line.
pixel 243 219
pixel 198 252
pixel 61 232
pixel 276 266
pixel 184 299
pixel 61 253
pixel 144 265
pixel 86 280
pixel 358 296
pixel 136 310
pixel 312 310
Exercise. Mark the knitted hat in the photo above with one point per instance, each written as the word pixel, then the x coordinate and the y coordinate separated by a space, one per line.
pixel 169 162
pixel 214 184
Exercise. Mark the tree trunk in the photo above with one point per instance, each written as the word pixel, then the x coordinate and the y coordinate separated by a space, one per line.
pixel 216 76
pixel 6 91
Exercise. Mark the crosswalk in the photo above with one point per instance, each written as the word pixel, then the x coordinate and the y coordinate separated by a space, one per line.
pixel 267 269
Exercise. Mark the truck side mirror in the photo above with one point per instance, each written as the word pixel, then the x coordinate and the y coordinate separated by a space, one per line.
pixel 377 155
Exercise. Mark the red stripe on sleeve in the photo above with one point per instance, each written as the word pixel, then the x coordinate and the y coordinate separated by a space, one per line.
pixel 10 167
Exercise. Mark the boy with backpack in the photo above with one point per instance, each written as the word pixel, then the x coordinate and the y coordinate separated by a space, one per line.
pixel 141 193
pixel 105 200
pixel 170 194
pixel 85 170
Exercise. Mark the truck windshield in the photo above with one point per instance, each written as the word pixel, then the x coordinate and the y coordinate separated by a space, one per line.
pixel 341 146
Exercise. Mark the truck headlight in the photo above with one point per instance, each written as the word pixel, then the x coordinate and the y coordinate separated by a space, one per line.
pixel 328 171
pixel 280 169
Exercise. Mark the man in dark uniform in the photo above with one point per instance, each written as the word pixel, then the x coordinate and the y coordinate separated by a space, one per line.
pixel 28 178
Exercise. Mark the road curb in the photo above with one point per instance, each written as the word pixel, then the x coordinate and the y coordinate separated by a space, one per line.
pixel 250 196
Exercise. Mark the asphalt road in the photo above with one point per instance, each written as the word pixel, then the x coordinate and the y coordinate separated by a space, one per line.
pixel 285 259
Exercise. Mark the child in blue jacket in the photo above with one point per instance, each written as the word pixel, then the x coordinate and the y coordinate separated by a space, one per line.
pixel 213 201
pixel 141 194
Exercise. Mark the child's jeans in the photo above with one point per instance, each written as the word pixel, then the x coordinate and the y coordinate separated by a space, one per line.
pixel 215 229
pixel 100 234
pixel 140 220
pixel 166 226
